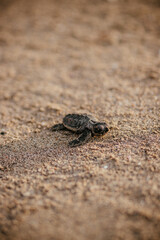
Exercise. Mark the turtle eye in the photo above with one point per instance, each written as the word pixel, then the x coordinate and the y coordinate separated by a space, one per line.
pixel 100 128
pixel 106 129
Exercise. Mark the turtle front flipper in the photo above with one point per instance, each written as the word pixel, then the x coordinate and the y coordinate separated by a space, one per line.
pixel 83 138
pixel 58 127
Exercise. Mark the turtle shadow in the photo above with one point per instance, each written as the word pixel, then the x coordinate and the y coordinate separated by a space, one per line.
pixel 34 150
pixel 45 147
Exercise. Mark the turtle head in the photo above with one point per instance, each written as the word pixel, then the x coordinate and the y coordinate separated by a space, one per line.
pixel 100 128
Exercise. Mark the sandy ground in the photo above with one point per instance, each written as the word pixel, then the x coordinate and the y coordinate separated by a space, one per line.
pixel 99 57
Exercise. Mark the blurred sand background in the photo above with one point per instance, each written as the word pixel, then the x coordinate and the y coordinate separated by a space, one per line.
pixel 99 57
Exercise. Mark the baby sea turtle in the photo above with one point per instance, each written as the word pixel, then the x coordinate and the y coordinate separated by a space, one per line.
pixel 84 124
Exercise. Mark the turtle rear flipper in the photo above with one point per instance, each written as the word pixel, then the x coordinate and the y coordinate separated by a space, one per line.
pixel 58 127
pixel 83 138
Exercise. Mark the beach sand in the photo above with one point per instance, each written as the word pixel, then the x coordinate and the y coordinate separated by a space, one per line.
pixel 78 56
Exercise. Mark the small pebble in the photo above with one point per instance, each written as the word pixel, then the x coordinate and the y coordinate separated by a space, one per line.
pixel 105 167
pixel 2 132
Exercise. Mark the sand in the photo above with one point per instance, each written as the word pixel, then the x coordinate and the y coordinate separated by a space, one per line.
pixel 76 56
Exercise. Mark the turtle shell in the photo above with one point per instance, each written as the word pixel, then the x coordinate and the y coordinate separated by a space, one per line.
pixel 77 122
